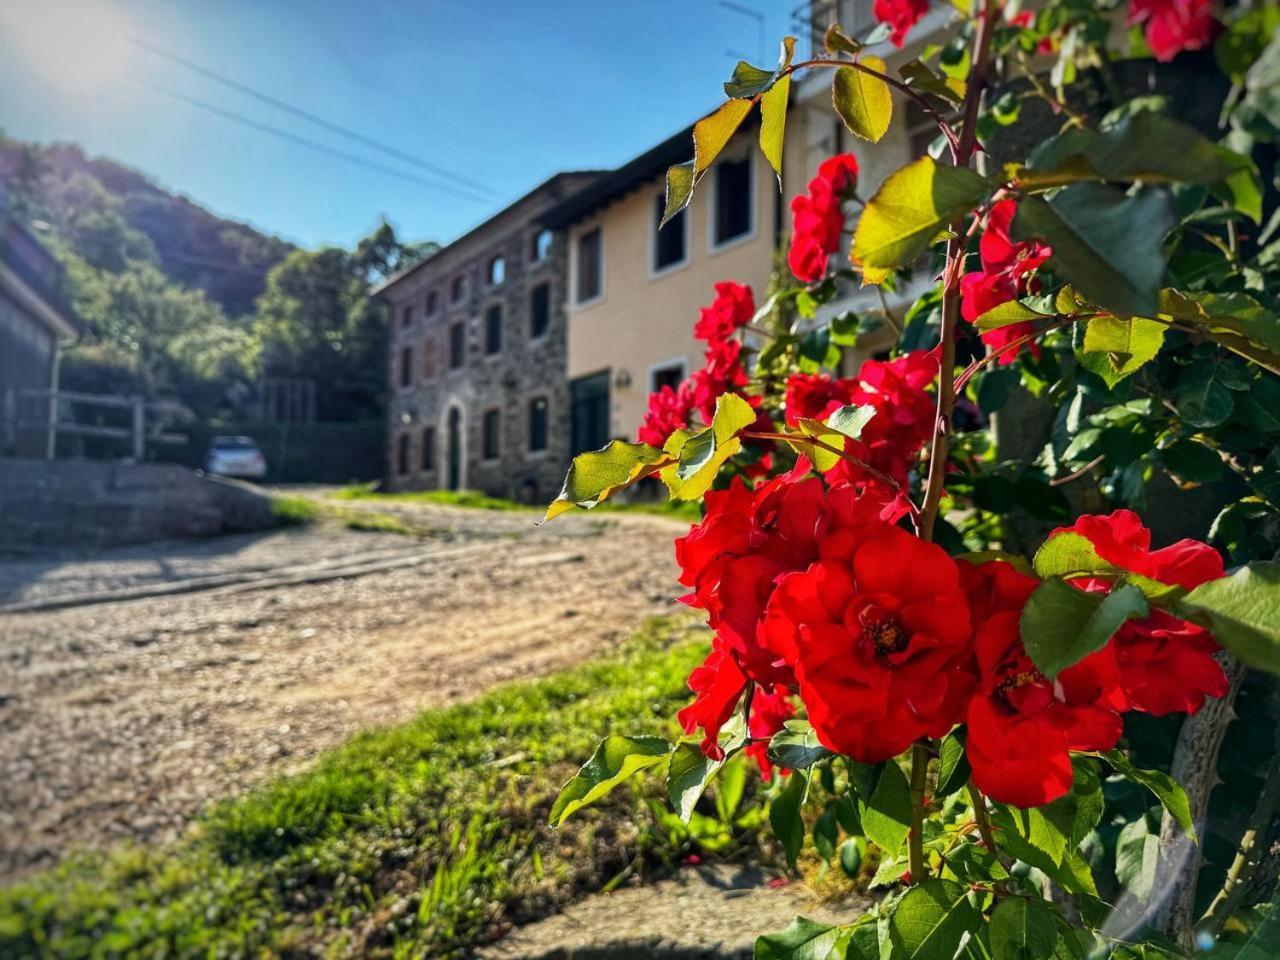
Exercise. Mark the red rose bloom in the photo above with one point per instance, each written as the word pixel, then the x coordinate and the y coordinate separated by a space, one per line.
pixel 1022 725
pixel 878 631
pixel 668 412
pixel 817 220
pixel 770 708
pixel 1172 26
pixel 721 373
pixel 902 15
pixel 732 309
pixel 1006 266
pixel 717 684
pixel 815 396
pixel 1166 665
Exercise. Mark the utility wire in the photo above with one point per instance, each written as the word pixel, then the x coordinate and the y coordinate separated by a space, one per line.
pixel 312 144
pixel 317 120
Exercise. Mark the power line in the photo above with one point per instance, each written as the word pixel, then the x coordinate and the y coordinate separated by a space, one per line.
pixel 312 144
pixel 318 120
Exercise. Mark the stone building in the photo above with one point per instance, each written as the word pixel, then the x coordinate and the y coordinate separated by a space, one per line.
pixel 479 398
pixel 34 323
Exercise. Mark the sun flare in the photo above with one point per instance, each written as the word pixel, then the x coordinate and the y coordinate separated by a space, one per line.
pixel 78 46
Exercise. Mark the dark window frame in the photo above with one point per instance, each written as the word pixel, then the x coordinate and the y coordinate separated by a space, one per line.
pixel 427 458
pixel 536 252
pixel 721 210
pixel 492 331
pixel 497 265
pixel 581 294
pixel 543 289
pixel 457 345
pixel 402 454
pixel 406 366
pixel 676 230
pixel 458 289
pixel 491 435
pixel 539 435
pixel 431 303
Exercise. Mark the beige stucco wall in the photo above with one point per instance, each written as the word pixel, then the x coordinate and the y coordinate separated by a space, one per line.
pixel 642 321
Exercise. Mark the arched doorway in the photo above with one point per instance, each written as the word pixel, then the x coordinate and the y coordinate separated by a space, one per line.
pixel 453 449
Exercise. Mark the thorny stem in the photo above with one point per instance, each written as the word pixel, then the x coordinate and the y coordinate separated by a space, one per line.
pixel 915 839
pixel 961 152
pixel 1012 345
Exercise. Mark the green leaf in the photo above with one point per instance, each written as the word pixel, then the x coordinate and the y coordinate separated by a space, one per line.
pixel 1167 790
pixel 687 777
pixel 804 940
pixel 1068 554
pixel 918 76
pixel 912 206
pixel 844 423
pixel 1115 347
pixel 886 815
pixel 1138 857
pixel 1012 311
pixel 1040 837
pixel 825 834
pixel 1203 399
pixel 773 123
pixel 731 787
pixel 616 759
pixel 851 418
pixel 699 456
pixel 837 41
pixel 1243 613
pixel 596 475
pixel 953 765
pixel 928 923
pixel 1061 625
pixel 850 857
pixel 1190 461
pixel 1107 244
pixel 796 746
pixel 680 181
pixel 751 81
pixel 863 102
pixel 1236 320
pixel 1022 928
pixel 784 815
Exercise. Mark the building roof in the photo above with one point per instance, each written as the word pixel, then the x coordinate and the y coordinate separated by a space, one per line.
pixel 548 184
pixel 31 273
pixel 678 148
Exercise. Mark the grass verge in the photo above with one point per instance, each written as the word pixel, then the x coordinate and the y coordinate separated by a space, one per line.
pixel 423 839
pixel 474 499
pixel 290 510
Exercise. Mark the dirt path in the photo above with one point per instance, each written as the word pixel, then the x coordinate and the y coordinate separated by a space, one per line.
pixel 121 719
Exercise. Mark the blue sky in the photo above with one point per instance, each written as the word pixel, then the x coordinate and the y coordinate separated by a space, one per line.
pixel 503 93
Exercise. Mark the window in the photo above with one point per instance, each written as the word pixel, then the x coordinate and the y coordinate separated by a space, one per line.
pixel 431 303
pixel 493 330
pixel 457 289
pixel 590 265
pixel 669 241
pixel 428 358
pixel 538 423
pixel 539 310
pixel 666 375
pixel 491 435
pixel 406 367
pixel 406 316
pixel 429 448
pixel 402 453
pixel 540 246
pixel 497 271
pixel 589 412
pixel 732 200
pixel 457 345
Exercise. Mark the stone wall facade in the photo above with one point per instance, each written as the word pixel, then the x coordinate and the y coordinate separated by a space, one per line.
pixel 514 389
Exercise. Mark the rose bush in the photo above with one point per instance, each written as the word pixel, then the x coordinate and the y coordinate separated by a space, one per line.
pixel 886 646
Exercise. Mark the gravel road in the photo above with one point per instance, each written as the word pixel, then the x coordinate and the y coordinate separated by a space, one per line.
pixel 242 657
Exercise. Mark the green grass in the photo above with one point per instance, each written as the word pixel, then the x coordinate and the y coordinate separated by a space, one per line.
pixel 474 499
pixel 417 840
pixel 290 510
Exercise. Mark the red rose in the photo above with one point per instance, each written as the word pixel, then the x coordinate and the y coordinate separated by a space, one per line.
pixel 722 372
pixel 815 396
pixel 878 630
pixel 717 684
pixel 668 412
pixel 732 309
pixel 1006 267
pixel 902 15
pixel 1022 725
pixel 770 708
pixel 1166 665
pixel 1174 25
pixel 817 220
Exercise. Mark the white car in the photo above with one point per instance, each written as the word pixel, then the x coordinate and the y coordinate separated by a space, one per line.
pixel 236 457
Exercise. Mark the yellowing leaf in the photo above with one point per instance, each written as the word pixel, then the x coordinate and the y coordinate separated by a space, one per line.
pixel 1115 347
pixel 679 190
pixel 911 207
pixel 598 474
pixel 711 133
pixel 863 102
pixel 1013 311
pixel 699 456
pixel 773 123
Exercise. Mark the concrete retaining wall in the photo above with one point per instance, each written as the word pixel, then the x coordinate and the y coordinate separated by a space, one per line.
pixel 89 503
